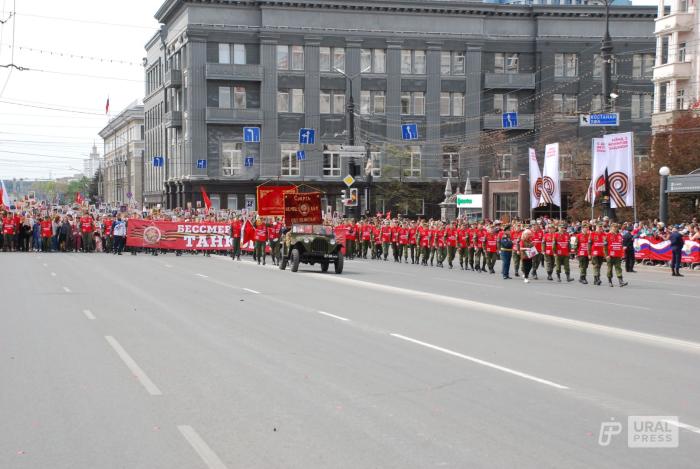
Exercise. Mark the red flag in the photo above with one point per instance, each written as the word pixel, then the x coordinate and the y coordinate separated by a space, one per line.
pixel 247 233
pixel 388 215
pixel 79 198
pixel 107 106
pixel 205 197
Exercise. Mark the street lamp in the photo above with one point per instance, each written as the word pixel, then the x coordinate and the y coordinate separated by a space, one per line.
pixel 664 171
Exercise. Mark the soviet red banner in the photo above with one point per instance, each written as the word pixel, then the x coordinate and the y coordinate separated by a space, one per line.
pixel 182 236
pixel 271 199
pixel 302 208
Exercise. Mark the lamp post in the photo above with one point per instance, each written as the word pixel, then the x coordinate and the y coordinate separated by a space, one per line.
pixel 664 171
pixel 606 49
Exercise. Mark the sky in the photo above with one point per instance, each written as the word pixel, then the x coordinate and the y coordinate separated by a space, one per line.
pixel 106 40
pixel 77 54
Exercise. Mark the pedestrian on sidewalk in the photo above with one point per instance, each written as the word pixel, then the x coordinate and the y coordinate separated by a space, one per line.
pixel 506 253
pixel 676 239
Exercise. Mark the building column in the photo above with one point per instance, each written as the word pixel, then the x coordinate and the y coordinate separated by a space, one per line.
pixel 393 92
pixel 312 107
pixel 523 197
pixel 485 198
pixel 195 115
pixel 473 112
pixel 270 160
pixel 432 151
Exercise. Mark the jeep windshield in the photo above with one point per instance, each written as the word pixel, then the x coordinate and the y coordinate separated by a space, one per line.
pixel 320 230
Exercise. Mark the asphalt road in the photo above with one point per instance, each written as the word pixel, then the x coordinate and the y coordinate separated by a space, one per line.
pixel 202 362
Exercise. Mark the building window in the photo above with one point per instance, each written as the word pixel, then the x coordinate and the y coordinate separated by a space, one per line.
pixel 505 103
pixel 239 98
pixel 324 59
pixel 372 102
pixel 414 163
pixel 445 63
pixel 503 166
pixel 564 104
pixel 331 164
pixel 444 104
pixel 283 57
pixel 338 103
pixel 565 65
pixel 364 102
pixel 231 158
pixel 325 102
pixel 451 104
pixel 298 101
pixel 457 104
pixel 450 165
pixel 339 59
pixel 379 102
pixel 413 103
pixel 642 65
pixel 376 159
pixel 597 103
pixel 506 62
pixel 224 97
pixel 366 59
pixel 282 101
pixel 224 54
pixel 413 62
pixel 452 63
pixel 680 100
pixel 598 66
pixel 373 61
pixel 506 206
pixel 297 57
pixel 239 54
pixel 290 165
pixel 641 106
pixel 681 51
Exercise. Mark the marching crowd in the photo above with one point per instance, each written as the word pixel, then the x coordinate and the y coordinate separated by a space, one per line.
pixel 521 246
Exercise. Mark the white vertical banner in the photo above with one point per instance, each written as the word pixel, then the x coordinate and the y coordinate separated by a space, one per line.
pixel 599 161
pixel 535 180
pixel 620 153
pixel 551 186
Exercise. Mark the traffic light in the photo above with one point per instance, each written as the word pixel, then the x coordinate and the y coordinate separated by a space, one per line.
pixel 353 198
pixel 344 196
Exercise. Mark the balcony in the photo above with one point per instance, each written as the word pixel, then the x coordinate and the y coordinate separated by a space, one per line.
pixel 674 22
pixel 217 115
pixel 495 122
pixel 172 79
pixel 172 119
pixel 659 120
pixel 524 81
pixel 234 72
pixel 673 71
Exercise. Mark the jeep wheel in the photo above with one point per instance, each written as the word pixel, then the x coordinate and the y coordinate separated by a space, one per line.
pixel 339 264
pixel 283 263
pixel 324 266
pixel 295 260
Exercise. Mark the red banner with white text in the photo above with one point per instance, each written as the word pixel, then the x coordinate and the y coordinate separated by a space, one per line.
pixel 181 236
pixel 271 199
pixel 302 208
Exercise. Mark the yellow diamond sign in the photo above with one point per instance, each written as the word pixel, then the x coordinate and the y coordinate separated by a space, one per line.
pixel 349 180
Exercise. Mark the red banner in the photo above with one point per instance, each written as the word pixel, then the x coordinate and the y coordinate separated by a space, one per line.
pixel 271 199
pixel 302 208
pixel 182 236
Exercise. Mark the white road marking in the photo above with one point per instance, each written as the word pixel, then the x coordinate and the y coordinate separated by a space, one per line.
pixel 201 447
pixel 89 314
pixel 622 305
pixel 251 291
pixel 482 362
pixel 684 426
pixel 168 266
pixel 53 274
pixel 686 296
pixel 201 275
pixel 333 316
pixel 524 314
pixel 45 265
pixel 133 367
pixel 66 289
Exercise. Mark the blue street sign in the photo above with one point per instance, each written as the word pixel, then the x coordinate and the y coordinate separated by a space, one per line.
pixel 409 131
pixel 251 134
pixel 249 160
pixel 158 161
pixel 201 164
pixel 307 136
pixel 611 119
pixel 510 120
pixel 301 156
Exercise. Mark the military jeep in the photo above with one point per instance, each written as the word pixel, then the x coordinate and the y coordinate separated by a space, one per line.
pixel 311 244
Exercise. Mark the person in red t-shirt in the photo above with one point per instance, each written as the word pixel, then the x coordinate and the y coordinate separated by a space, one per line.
pixel 451 234
pixel 385 234
pixel 614 253
pixel 537 238
pixel 87 227
pixel 561 251
pixel 548 249
pixel 462 245
pixel 260 241
pixel 236 226
pixel 424 241
pixel 8 232
pixel 596 251
pixel 582 252
pixel 491 247
pixel 46 234
pixel 350 238
pixel 107 234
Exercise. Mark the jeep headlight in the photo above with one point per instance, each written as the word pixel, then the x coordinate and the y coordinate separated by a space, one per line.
pixel 332 241
pixel 307 240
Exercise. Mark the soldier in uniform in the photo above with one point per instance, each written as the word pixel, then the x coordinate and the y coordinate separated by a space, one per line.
pixel 386 233
pixel 274 237
pixel 596 251
pixel 260 241
pixel 424 242
pixel 366 239
pixel 614 253
pixel 479 239
pixel 236 226
pixel 350 237
pixel 582 252
pixel 561 250
pixel 462 234
pixel 548 249
pixel 451 241
pixel 537 237
pixel 412 240
pixel 471 245
pixel 515 233
pixel 491 247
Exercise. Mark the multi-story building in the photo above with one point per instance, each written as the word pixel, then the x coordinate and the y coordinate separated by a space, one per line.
pixel 453 68
pixel 92 163
pixel 677 68
pixel 122 172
